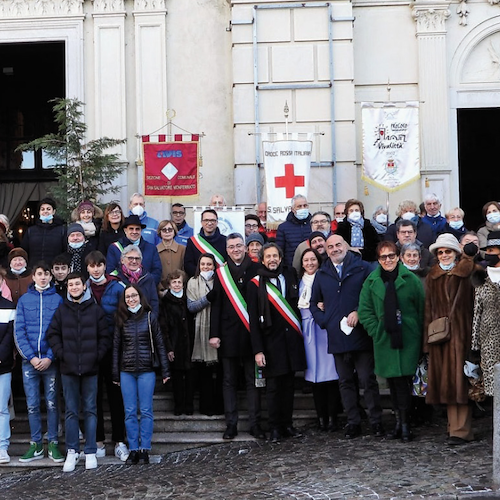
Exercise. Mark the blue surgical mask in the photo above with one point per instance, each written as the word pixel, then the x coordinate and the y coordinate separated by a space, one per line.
pixel 412 268
pixel 447 267
pixel 456 224
pixel 302 213
pixel 136 243
pixel 493 217
pixel 207 275
pixel 76 245
pixel 177 294
pixel 46 218
pixel 98 280
pixel 134 309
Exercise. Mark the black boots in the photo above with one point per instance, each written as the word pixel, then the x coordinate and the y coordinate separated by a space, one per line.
pixel 402 429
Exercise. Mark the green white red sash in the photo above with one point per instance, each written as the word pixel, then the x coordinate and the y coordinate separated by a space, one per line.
pixel 234 295
pixel 281 305
pixel 205 247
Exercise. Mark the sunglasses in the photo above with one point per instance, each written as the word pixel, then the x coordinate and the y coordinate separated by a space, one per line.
pixel 389 256
pixel 446 252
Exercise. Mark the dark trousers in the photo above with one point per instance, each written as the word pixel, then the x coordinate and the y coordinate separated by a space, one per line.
pixel 183 387
pixel 400 388
pixel 363 363
pixel 279 395
pixel 209 379
pixel 115 402
pixel 327 400
pixel 230 369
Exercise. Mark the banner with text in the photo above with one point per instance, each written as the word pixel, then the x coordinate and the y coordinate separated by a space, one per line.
pixel 287 165
pixel 391 153
pixel 170 168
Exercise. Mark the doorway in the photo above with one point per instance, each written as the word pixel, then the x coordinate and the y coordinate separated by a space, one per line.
pixel 477 161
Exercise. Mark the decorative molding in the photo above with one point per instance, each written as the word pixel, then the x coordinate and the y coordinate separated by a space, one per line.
pixel 40 8
pixel 150 5
pixel 463 12
pixel 431 19
pixel 109 6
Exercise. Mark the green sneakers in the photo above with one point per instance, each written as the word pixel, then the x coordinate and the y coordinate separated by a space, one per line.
pixel 35 452
pixel 54 453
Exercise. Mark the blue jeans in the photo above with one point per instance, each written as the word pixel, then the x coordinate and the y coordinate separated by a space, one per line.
pixel 138 386
pixel 31 382
pixel 82 388
pixel 5 380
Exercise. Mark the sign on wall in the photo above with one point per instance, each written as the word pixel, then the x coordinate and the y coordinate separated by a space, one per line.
pixel 391 149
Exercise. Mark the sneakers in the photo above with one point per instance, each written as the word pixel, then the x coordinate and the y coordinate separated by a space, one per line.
pixel 35 452
pixel 133 458
pixel 4 457
pixel 90 461
pixel 143 457
pixel 72 459
pixel 101 451
pixel 54 453
pixel 121 451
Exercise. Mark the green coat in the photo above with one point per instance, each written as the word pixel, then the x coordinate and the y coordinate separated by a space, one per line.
pixel 391 362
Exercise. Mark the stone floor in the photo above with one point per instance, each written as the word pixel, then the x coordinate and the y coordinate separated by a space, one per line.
pixel 318 466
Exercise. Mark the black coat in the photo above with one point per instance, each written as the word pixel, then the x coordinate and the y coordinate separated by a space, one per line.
pixel 132 346
pixel 45 241
pixel 7 313
pixel 281 344
pixel 106 238
pixel 217 240
pixel 370 235
pixel 224 320
pixel 79 336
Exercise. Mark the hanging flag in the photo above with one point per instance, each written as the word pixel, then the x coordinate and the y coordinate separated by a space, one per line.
pixel 286 165
pixel 391 149
pixel 171 168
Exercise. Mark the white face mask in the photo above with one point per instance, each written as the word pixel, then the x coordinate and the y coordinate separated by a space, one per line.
pixel 134 309
pixel 207 275
pixel 456 224
pixel 447 267
pixel 41 289
pixel 178 294
pixel 354 216
pixel 76 245
pixel 339 219
pixel 493 217
pixel 138 210
pixel 18 271
pixel 381 218
pixel 98 280
pixel 408 216
pixel 411 268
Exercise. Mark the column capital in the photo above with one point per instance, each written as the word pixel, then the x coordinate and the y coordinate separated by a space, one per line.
pixel 431 16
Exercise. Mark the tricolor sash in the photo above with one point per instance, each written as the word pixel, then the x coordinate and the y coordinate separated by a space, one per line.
pixel 205 247
pixel 281 304
pixel 234 294
pixel 118 245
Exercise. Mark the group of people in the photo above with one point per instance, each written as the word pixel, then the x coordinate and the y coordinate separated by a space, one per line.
pixel 110 300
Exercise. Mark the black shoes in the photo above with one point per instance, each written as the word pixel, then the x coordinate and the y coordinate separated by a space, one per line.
pixel 133 458
pixel 378 430
pixel 257 432
pixel 292 432
pixel 456 441
pixel 275 436
pixel 352 431
pixel 143 457
pixel 231 432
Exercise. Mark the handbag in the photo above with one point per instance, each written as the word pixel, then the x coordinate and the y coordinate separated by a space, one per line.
pixel 155 360
pixel 438 331
pixel 420 378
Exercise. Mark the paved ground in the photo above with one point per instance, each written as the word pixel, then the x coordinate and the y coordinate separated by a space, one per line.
pixel 317 466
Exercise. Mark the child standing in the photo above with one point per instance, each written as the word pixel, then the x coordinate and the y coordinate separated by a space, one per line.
pixel 79 337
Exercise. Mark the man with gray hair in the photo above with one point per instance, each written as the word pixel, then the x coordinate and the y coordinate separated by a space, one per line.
pixel 433 216
pixel 295 229
pixel 137 206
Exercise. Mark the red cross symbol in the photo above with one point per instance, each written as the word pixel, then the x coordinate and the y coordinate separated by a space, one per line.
pixel 289 181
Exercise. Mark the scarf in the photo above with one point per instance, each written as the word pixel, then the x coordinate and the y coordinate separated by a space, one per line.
pixel 494 274
pixel 88 227
pixel 305 296
pixel 197 289
pixel 392 313
pixel 357 239
pixel 238 272
pixel 132 276
pixel 263 299
pixel 76 258
pixel 380 228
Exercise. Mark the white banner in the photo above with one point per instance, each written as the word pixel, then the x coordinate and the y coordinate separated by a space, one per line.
pixel 287 165
pixel 230 220
pixel 391 155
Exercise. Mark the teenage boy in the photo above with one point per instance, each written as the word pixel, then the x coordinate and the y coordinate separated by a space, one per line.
pixel 34 313
pixel 107 290
pixel 79 337
pixel 60 271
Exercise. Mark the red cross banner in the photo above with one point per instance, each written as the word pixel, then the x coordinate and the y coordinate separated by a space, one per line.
pixel 286 165
pixel 170 168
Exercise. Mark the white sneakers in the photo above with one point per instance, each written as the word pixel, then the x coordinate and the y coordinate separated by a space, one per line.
pixel 90 461
pixel 72 458
pixel 121 451
pixel 101 451
pixel 4 457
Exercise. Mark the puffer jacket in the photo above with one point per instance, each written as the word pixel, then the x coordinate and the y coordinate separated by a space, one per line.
pixel 109 301
pixel 79 337
pixel 7 313
pixel 291 233
pixel 45 241
pixel 147 285
pixel 33 316
pixel 132 346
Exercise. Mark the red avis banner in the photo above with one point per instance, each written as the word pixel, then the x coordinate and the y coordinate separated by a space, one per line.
pixel 170 168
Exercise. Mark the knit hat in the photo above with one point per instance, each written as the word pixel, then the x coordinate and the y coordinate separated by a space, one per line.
pixel 315 234
pixel 86 205
pixel 18 252
pixel 254 237
pixel 75 228
pixel 493 240
pixel 445 240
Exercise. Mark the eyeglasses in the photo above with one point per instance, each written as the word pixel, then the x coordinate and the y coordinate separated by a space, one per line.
pixel 238 246
pixel 389 256
pixel 178 213
pixel 447 251
pixel 210 221
pixel 131 296
pixel 116 211
pixel 316 222
pixel 251 226
pixel 134 258
pixel 166 229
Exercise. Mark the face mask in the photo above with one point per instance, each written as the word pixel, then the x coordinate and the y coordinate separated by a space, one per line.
pixel 325 233
pixel 41 289
pixel 46 218
pixel 76 299
pixel 447 267
pixel 381 218
pixel 302 213
pixel 134 309
pixel 456 224
pixel 138 210
pixel 339 219
pixel 136 243
pixel 354 216
pixel 98 280
pixel 18 271
pixel 493 217
pixel 177 294
pixel 491 259
pixel 76 245
pixel 207 275
pixel 411 268
pixel 408 216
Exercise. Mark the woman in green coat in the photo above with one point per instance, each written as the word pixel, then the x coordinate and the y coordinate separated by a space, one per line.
pixel 391 308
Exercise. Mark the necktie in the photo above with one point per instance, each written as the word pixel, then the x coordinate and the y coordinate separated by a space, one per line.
pixel 339 270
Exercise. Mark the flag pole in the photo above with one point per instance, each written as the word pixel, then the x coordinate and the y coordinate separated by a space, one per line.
pixel 286 110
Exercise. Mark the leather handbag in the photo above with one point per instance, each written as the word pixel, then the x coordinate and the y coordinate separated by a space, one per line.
pixel 438 331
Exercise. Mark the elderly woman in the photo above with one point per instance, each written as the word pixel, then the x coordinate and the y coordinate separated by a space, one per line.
pixel 410 255
pixel 455 223
pixel 171 253
pixel 449 294
pixel 18 274
pixel 321 370
pixel 254 242
pixel 112 226
pixel 132 272
pixel 491 214
pixel 358 231
pixel 379 220
pixel 391 308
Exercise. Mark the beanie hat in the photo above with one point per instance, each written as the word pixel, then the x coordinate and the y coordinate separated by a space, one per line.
pixel 86 205
pixel 18 252
pixel 254 237
pixel 75 228
pixel 315 234
pixel 445 240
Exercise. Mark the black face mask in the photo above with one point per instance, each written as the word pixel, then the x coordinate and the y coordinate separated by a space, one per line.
pixel 471 249
pixel 491 259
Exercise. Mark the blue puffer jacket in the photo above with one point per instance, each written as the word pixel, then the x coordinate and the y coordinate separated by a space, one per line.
pixel 33 316
pixel 184 233
pixel 150 259
pixel 291 233
pixel 340 297
pixel 110 298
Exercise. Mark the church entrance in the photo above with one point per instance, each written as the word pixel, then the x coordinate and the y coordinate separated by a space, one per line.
pixel 478 161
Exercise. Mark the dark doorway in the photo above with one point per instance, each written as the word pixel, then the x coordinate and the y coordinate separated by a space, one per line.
pixel 478 161
pixel 31 75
